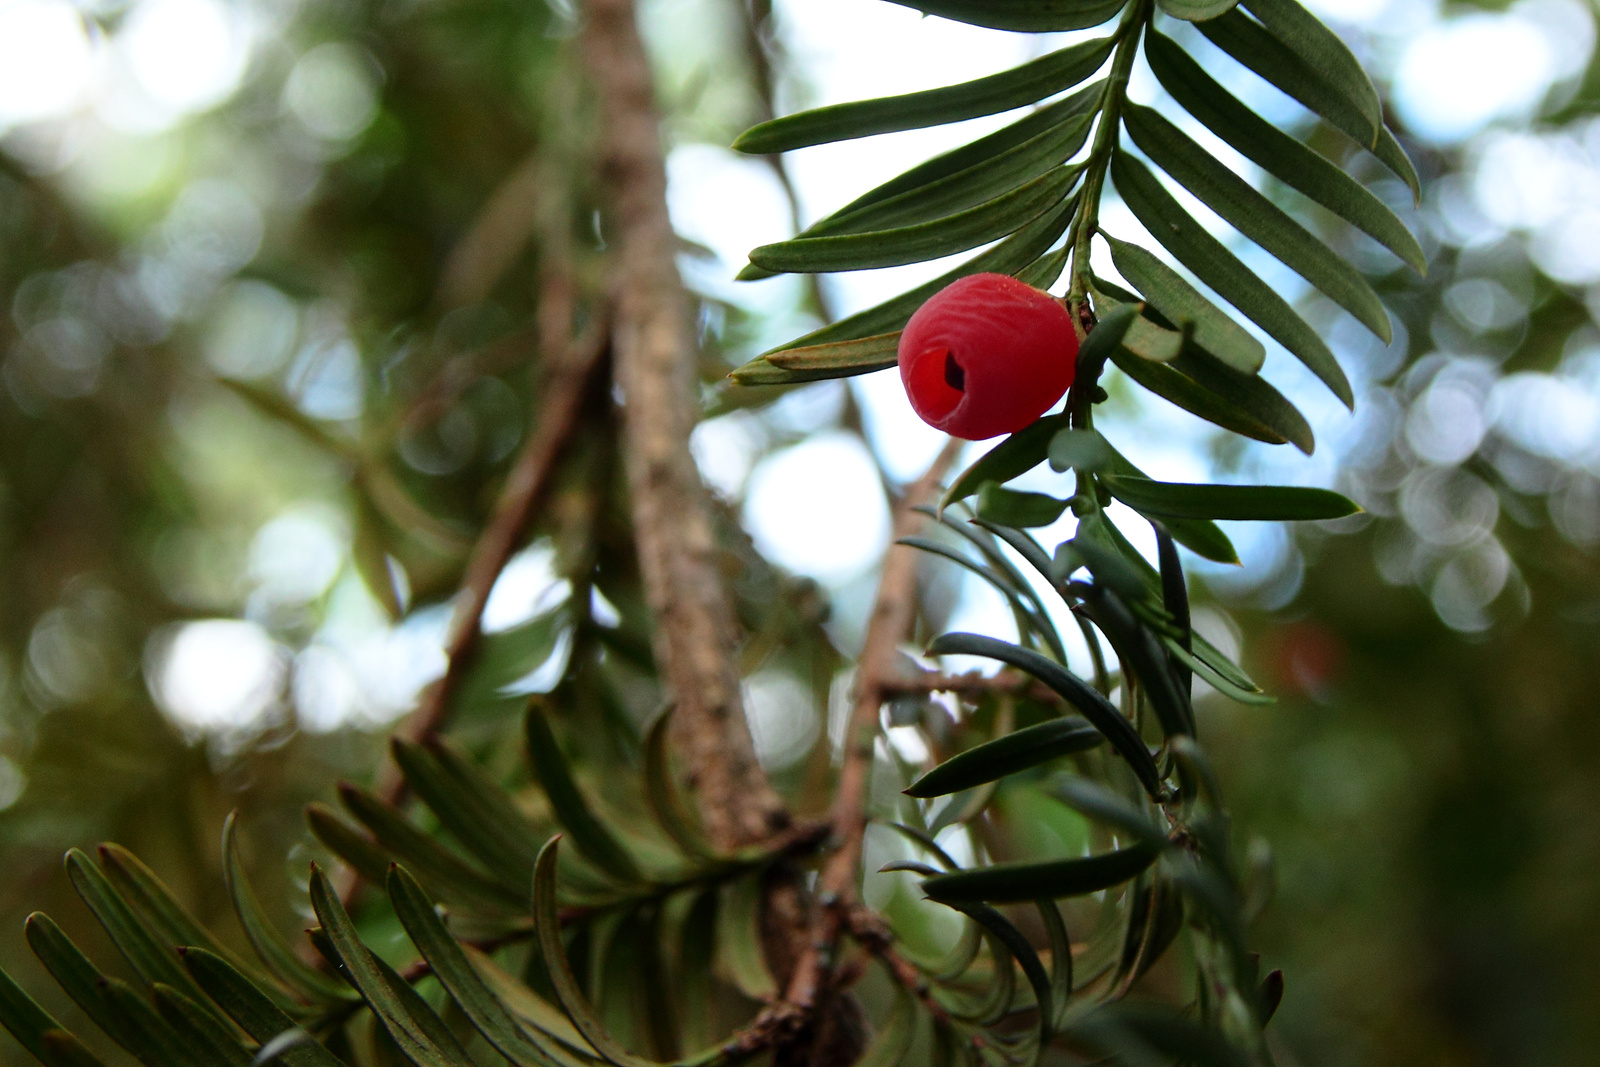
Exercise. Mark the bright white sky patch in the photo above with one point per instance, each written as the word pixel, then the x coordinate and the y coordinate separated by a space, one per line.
pixel 526 587
pixel 46 60
pixel 1459 75
pixel 187 55
pixel 817 508
pixel 217 675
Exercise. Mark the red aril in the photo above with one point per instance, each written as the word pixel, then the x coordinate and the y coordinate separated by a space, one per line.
pixel 987 355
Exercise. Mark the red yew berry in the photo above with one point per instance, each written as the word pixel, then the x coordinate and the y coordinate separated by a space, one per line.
pixel 987 355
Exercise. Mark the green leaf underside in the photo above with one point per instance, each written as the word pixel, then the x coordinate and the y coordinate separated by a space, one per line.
pixel 928 240
pixel 1183 390
pixel 589 834
pixel 255 1013
pixel 1322 51
pixel 1011 507
pixel 972 158
pixel 1186 500
pixel 1014 88
pixel 1012 883
pixel 968 187
pixel 21 1015
pixel 1253 215
pixel 893 1039
pixel 1009 256
pixel 440 866
pixel 1016 455
pixel 839 359
pixel 1181 303
pixel 548 922
pixel 411 1033
pixel 1196 10
pixel 1082 450
pixel 1202 385
pixel 1116 326
pixel 456 973
pixel 1254 46
pixel 1094 707
pixel 1030 16
pixel 1008 754
pixel 1202 537
pixel 1276 152
pixel 1214 265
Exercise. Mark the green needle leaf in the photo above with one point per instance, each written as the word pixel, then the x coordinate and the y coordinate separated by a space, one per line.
pixel 923 241
pixel 1247 41
pixel 1321 50
pixel 1029 16
pixel 1276 152
pixel 1255 216
pixel 456 973
pixel 253 1010
pixel 973 185
pixel 1186 500
pixel 1196 10
pixel 28 1023
pixel 1016 455
pixel 1008 754
pixel 1011 507
pixel 1217 267
pixel 1105 717
pixel 1009 256
pixel 548 922
pixel 1009 89
pixel 417 1036
pixel 1181 303
pixel 589 834
pixel 1014 883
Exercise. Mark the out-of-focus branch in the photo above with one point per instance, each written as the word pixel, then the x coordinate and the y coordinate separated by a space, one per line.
pixel 892 616
pixel 695 633
pixel 758 47
pixel 567 384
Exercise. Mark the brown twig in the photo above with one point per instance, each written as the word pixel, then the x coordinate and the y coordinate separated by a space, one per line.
pixel 891 620
pixel 694 626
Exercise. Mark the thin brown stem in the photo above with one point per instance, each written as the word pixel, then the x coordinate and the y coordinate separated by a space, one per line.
pixel 892 616
pixel 567 385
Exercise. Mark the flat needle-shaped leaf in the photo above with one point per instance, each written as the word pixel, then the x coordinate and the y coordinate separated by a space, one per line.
pixel 1219 268
pixel 1276 152
pixel 1189 500
pixel 1253 215
pixel 1009 89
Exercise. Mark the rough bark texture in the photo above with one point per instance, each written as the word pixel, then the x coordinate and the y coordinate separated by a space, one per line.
pixel 655 360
